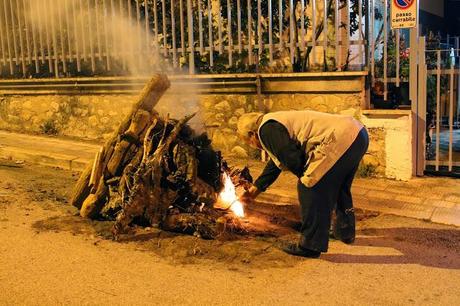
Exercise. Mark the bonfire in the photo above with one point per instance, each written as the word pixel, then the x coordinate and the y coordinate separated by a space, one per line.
pixel 156 171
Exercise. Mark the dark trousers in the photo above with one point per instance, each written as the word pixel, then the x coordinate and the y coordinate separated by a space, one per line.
pixel 332 191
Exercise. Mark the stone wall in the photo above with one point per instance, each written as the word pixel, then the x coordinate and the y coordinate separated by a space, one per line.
pixel 221 112
pixel 86 116
pixel 95 117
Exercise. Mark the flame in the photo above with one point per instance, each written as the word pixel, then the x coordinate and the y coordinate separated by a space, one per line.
pixel 229 198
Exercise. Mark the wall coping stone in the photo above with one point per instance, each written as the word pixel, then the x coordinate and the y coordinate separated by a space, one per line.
pixel 245 83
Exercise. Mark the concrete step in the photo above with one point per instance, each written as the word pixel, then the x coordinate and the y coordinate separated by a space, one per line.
pixel 47 151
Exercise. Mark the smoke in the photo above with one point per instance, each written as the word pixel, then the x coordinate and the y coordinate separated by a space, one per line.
pixel 112 36
pixel 101 35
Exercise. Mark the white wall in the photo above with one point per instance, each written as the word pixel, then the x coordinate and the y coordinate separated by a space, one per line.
pixel 435 7
pixel 397 125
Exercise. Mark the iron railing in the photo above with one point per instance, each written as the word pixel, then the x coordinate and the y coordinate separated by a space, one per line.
pixel 442 77
pixel 66 38
pixel 43 38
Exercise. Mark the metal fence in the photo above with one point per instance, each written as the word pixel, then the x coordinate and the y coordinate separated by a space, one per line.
pixel 441 72
pixel 59 38
pixel 43 38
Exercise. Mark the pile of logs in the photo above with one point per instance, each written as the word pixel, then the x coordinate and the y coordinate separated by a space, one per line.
pixel 156 171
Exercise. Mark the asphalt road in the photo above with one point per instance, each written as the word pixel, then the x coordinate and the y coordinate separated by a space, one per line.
pixel 50 257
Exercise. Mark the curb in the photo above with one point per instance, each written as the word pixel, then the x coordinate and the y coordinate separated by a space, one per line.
pixel 442 215
pixel 62 161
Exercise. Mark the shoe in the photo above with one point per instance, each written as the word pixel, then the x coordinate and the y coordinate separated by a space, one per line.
pixel 344 226
pixel 297 250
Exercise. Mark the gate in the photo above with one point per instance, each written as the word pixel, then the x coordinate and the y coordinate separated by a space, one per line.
pixel 439 90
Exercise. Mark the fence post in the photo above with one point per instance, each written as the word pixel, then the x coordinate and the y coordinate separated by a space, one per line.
pixel 421 108
pixel 413 86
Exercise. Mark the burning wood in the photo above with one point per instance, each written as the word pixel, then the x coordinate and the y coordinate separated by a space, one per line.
pixel 157 171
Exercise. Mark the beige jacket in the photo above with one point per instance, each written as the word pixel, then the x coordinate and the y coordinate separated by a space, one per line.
pixel 325 138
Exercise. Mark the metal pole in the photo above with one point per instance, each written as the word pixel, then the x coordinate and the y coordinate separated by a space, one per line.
pixel 62 40
pixel 360 30
pixel 413 89
pixel 26 26
pixel 302 24
pixel 229 32
pixel 313 31
pixel 211 43
pixel 91 37
pixel 372 39
pixel 421 109
pixel 55 45
pixel 219 26
pixel 385 50
pixel 397 55
pixel 270 31
pixel 1 36
pixel 190 38
pixel 200 26
pixel 249 33
pixel 10 53
pixel 292 37
pixel 337 47
pixel 21 41
pixel 98 30
pixel 451 114
pixel 75 37
pixel 173 31
pixel 280 20
pixel 182 29
pixel 238 14
pixel 106 36
pixel 438 105
pixel 325 33
pixel 164 31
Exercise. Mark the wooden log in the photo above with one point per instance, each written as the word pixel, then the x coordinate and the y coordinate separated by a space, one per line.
pixel 147 192
pixel 94 202
pixel 148 98
pixel 96 172
pixel 126 148
pixel 82 189
pixel 140 121
pixel 114 166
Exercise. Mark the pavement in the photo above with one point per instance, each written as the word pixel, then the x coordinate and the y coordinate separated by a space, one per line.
pixel 434 199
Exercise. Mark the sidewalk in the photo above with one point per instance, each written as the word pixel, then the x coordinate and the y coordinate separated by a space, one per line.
pixel 429 198
pixel 47 151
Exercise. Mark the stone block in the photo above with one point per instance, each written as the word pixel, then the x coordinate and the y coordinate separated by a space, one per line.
pixel 377 194
pixel 359 191
pixel 439 203
pixel 446 216
pixel 239 111
pixel 105 120
pixel 223 106
pixel 408 199
pixel 240 152
pixel 370 159
pixel 452 198
pixel 401 190
pixel 232 122
pixel 92 121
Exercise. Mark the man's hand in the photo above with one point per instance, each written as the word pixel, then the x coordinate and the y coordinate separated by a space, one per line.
pixel 249 195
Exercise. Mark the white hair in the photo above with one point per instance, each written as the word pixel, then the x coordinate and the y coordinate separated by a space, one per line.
pixel 248 123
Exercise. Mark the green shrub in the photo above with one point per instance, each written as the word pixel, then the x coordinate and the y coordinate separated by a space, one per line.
pixel 366 170
pixel 49 127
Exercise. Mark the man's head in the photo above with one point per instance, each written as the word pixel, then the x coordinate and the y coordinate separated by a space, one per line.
pixel 248 126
